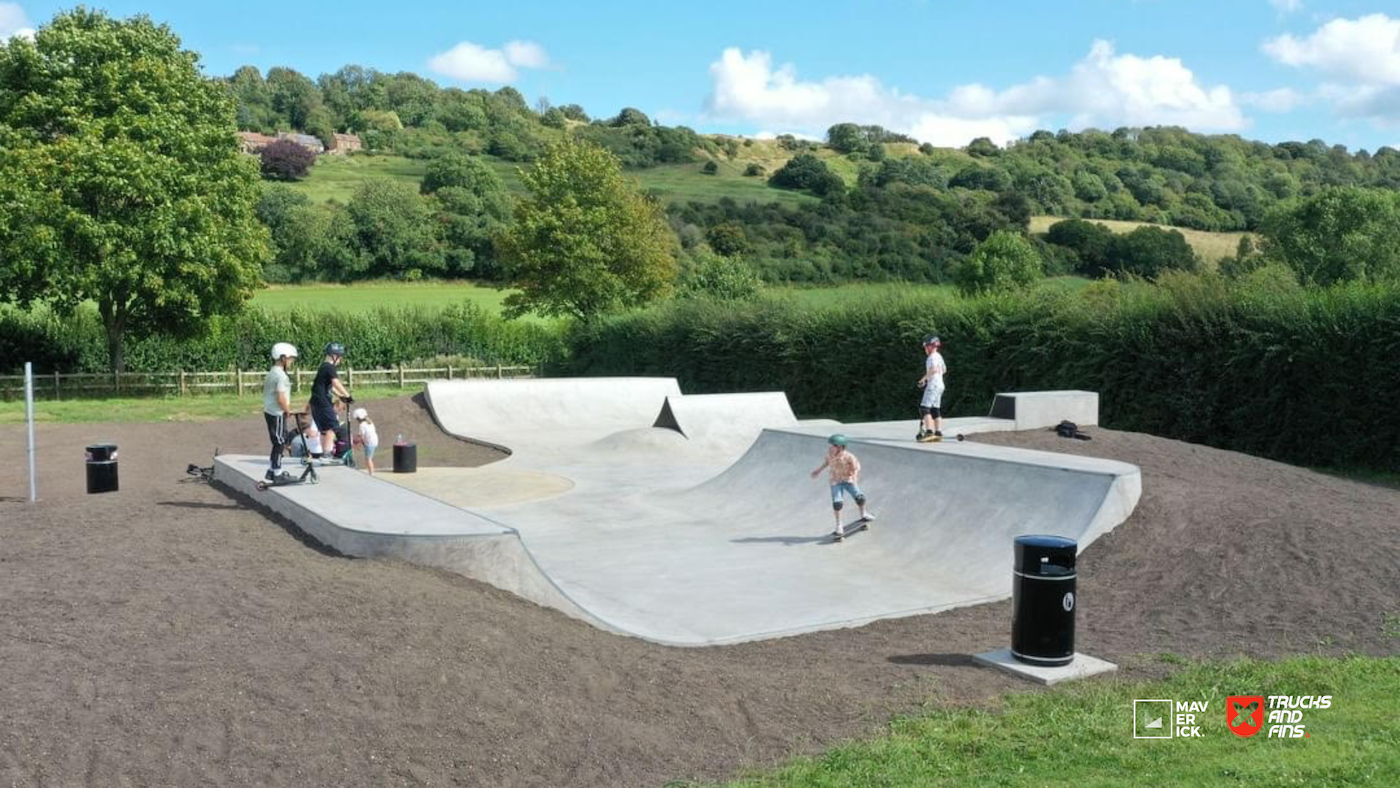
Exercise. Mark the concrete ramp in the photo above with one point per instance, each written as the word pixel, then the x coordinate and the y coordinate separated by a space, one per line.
pixel 726 422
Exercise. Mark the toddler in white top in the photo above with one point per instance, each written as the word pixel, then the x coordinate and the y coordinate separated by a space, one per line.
pixel 368 437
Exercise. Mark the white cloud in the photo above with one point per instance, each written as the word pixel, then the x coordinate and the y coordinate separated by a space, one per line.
pixel 1104 88
pixel 1358 58
pixel 470 62
pixel 1364 50
pixel 526 54
pixel 1277 100
pixel 14 23
pixel 1286 6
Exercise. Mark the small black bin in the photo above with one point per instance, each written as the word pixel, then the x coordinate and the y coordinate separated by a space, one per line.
pixel 1043 600
pixel 405 458
pixel 101 468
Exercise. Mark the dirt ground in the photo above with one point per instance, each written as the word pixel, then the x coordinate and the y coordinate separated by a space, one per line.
pixel 170 635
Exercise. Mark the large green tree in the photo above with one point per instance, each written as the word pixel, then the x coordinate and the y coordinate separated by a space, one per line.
pixel 1337 235
pixel 472 208
pixel 585 240
pixel 121 180
pixel 1005 261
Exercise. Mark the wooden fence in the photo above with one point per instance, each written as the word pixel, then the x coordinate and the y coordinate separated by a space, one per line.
pixel 57 385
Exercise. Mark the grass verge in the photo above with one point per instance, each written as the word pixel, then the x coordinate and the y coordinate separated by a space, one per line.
pixel 1082 735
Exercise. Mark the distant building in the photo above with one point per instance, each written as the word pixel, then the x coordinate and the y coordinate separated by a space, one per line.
pixel 253 142
pixel 307 141
pixel 345 143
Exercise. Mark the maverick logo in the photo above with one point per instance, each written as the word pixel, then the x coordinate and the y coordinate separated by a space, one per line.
pixel 1161 718
pixel 1244 714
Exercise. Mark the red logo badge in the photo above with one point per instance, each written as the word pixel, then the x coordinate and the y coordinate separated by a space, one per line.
pixel 1244 714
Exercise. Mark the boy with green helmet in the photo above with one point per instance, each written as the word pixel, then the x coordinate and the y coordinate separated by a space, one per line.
pixel 844 469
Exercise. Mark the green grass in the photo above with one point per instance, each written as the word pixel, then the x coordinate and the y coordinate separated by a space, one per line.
pixel 1081 735
pixel 363 296
pixel 335 177
pixel 1210 246
pixel 131 410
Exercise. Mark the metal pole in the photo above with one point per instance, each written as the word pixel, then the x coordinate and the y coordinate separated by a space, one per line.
pixel 29 418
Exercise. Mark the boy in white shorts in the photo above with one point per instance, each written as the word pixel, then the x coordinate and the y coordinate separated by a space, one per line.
pixel 931 406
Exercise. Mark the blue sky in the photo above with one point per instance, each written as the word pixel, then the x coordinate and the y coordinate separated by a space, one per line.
pixel 942 71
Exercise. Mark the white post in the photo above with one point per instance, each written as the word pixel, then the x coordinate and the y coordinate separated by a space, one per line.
pixel 29 418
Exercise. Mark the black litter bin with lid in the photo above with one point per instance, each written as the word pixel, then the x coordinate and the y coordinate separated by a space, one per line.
pixel 101 468
pixel 1043 600
pixel 405 458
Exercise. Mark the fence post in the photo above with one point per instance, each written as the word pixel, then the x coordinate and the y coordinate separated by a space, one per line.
pixel 349 374
pixel 237 378
pixel 400 374
pixel 297 386
pixel 55 385
pixel 117 382
pixel 183 390
pixel 500 373
pixel 449 371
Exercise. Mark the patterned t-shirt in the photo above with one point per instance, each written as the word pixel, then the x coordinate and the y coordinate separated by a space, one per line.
pixel 844 467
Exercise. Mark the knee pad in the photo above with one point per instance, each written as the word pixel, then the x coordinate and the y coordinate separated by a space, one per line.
pixel 836 505
pixel 860 500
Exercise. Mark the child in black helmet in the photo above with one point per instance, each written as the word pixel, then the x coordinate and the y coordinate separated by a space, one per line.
pixel 322 406
pixel 845 479
pixel 931 405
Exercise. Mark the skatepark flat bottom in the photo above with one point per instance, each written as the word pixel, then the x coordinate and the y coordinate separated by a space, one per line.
pixel 689 542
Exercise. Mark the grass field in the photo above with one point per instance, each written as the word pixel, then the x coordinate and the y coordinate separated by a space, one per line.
pixel 367 295
pixel 1082 735
pixel 1210 246
pixel 335 178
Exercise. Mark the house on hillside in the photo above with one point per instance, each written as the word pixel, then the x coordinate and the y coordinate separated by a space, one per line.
pixel 346 143
pixel 253 142
pixel 307 141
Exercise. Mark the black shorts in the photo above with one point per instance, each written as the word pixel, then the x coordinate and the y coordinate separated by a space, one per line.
pixel 934 412
pixel 324 416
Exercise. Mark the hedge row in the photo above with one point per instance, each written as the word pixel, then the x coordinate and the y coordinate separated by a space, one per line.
pixel 1265 367
pixel 375 339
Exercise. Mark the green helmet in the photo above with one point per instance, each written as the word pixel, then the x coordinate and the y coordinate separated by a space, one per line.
pixel 837 440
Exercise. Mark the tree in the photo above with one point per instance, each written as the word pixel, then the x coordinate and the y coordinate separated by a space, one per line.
pixel 728 239
pixel 718 278
pixel 294 97
pixel 805 171
pixel 472 207
pixel 845 138
pixel 1091 243
pixel 754 169
pixel 982 147
pixel 585 240
pixel 1150 252
pixel 121 180
pixel 252 99
pixel 1336 235
pixel 1005 261
pixel 285 160
pixel 710 168
pixel 387 230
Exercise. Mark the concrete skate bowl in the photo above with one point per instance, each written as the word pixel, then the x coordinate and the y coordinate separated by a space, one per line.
pixel 706 549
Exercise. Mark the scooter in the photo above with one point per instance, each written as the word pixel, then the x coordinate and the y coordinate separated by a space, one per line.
pixel 284 479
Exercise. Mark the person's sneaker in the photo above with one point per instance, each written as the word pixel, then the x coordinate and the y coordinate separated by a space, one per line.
pixel 840 532
pixel 927 437
pixel 868 517
pixel 270 476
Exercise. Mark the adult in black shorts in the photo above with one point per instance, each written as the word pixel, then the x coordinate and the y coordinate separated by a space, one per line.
pixel 326 385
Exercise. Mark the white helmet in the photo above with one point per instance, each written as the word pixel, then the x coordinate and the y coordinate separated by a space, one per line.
pixel 284 349
pixel 360 414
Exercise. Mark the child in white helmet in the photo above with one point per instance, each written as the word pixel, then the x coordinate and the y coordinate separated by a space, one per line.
pixel 931 405
pixel 277 409
pixel 368 437
pixel 845 480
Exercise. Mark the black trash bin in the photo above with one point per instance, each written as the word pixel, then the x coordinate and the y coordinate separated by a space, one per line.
pixel 1043 600
pixel 101 468
pixel 405 458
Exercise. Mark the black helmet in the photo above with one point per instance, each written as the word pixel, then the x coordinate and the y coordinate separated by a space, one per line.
pixel 932 339
pixel 335 349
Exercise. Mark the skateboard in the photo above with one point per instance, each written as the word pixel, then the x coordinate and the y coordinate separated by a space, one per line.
pixel 854 528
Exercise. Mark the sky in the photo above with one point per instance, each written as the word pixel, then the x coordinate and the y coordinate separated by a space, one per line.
pixel 943 71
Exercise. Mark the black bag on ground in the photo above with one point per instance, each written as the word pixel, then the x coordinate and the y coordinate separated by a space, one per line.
pixel 1068 429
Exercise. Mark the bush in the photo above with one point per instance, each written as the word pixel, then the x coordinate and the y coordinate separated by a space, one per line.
pixel 754 169
pixel 711 276
pixel 1005 261
pixel 285 160
pixel 807 172
pixel 710 168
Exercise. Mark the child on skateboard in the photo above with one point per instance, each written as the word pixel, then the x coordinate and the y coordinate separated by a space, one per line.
pixel 931 405
pixel 845 480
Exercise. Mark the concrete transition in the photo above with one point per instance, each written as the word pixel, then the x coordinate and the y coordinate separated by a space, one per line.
pixel 691 520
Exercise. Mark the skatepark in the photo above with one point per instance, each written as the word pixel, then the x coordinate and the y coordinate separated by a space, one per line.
pixel 691 520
